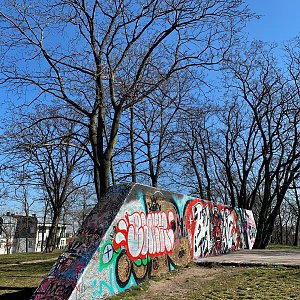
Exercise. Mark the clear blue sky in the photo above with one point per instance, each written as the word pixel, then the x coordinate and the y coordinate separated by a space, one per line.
pixel 280 20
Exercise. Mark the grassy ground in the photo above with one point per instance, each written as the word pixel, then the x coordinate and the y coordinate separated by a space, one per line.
pixel 227 283
pixel 217 282
pixel 253 283
pixel 18 282
pixel 282 247
pixel 21 257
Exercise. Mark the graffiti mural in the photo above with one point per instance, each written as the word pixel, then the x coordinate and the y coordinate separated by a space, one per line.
pixel 143 232
pixel 247 227
pixel 143 235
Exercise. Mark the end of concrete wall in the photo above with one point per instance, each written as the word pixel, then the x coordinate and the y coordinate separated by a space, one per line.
pixel 139 233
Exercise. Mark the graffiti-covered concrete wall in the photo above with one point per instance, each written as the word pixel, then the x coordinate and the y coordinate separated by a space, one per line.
pixel 142 232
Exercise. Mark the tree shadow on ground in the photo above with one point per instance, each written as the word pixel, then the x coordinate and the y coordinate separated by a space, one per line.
pixel 21 294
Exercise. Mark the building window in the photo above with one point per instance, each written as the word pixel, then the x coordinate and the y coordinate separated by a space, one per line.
pixel 30 244
pixel 31 230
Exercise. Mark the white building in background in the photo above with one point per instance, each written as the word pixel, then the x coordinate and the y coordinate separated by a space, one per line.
pixel 43 233
pixel 17 233
pixel 25 234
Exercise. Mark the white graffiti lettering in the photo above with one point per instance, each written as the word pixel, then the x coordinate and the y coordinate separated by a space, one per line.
pixel 143 235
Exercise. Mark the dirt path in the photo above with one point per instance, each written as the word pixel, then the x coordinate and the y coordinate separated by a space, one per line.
pixel 179 284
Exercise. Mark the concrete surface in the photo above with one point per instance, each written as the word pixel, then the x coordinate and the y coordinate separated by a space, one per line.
pixel 255 257
pixel 146 222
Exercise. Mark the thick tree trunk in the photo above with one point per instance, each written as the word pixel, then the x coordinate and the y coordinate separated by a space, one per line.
pixel 44 224
pixel 198 176
pixel 287 231
pixel 263 236
pixel 51 242
pixel 100 160
pixel 103 147
pixel 112 173
pixel 153 175
pixel 261 225
pixel 298 216
pixel 297 230
pixel 265 228
pixel 101 176
pixel 281 229
pixel 154 181
pixel 104 175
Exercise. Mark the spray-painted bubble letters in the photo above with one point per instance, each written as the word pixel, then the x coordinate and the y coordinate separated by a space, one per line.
pixel 145 234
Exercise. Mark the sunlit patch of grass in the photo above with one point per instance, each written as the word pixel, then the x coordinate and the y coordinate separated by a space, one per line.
pixel 253 283
pixel 282 247
pixel 15 278
pixel 229 283
pixel 21 257
pixel 21 280
pixel 244 283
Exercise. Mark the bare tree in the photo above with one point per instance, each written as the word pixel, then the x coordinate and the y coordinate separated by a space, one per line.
pixel 294 206
pixel 192 143
pixel 103 57
pixel 78 207
pixel 234 150
pixel 157 119
pixel 7 231
pixel 50 157
pixel 286 229
pixel 145 143
pixel 297 211
pixel 274 109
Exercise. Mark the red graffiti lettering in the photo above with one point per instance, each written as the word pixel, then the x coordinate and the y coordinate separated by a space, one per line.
pixel 143 235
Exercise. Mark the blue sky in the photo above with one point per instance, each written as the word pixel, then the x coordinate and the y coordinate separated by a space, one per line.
pixel 280 20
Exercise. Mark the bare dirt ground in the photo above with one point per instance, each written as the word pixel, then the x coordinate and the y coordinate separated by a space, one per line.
pixel 180 283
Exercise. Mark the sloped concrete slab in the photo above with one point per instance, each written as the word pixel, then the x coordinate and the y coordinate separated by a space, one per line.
pixel 141 232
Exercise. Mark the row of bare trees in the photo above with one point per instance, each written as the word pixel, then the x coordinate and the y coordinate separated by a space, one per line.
pixel 243 150
pixel 286 229
pixel 122 90
pixel 101 58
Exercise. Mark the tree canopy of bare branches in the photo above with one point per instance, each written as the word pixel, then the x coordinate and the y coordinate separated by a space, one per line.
pixel 102 57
